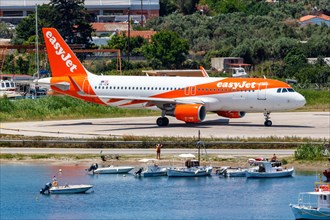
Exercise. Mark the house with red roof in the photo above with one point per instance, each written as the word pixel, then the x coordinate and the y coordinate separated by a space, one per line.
pixel 315 19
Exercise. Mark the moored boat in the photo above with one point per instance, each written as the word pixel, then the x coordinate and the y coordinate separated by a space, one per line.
pixel 313 205
pixel 266 169
pixel 192 168
pixel 151 169
pixel 110 169
pixel 228 171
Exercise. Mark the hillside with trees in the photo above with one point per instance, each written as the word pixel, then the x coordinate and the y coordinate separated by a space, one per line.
pixel 190 32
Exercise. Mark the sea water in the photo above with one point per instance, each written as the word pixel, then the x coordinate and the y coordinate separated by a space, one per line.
pixel 128 197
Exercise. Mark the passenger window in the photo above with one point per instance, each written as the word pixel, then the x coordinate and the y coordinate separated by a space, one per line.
pixel 106 87
pixel 284 90
pixel 102 87
pixel 3 86
pixel 279 90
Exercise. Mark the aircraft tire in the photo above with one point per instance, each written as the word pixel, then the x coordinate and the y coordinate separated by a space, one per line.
pixel 268 123
pixel 162 121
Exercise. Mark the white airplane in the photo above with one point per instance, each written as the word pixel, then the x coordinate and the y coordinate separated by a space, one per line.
pixel 186 98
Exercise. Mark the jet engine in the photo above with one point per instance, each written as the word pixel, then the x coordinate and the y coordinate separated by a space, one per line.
pixel 191 113
pixel 231 114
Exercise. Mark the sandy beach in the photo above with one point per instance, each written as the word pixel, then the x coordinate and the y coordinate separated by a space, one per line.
pixel 133 160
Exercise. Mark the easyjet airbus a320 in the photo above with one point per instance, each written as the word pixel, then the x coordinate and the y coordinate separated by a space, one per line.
pixel 186 98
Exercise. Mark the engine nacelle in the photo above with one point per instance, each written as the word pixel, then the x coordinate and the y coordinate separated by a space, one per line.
pixel 231 114
pixel 191 113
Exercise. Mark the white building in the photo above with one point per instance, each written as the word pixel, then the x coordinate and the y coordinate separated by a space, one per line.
pixel 12 11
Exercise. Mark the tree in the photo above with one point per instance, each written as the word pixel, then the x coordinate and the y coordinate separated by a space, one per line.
pixel 73 21
pixel 5 32
pixel 26 28
pixel 69 17
pixel 166 49
pixel 121 42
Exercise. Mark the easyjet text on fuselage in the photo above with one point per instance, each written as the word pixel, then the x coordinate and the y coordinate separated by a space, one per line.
pixel 237 85
pixel 60 51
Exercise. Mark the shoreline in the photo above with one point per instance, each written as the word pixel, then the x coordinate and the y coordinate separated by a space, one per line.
pixel 133 160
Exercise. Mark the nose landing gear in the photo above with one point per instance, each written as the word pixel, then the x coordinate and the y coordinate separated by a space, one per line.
pixel 268 122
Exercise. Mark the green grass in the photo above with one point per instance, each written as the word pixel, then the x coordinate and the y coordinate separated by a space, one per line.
pixel 316 99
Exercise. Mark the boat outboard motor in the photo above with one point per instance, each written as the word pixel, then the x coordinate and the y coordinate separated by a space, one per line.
pixel 93 167
pixel 139 171
pixel 46 188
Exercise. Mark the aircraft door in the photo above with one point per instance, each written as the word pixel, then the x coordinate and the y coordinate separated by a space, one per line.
pixel 190 90
pixel 187 90
pixel 262 88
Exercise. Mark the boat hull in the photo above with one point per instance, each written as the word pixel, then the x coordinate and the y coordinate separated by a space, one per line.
pixel 176 172
pixel 304 212
pixel 153 171
pixel 240 173
pixel 154 174
pixel 284 173
pixel 70 189
pixel 113 170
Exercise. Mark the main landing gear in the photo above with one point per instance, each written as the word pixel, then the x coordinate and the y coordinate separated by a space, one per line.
pixel 162 121
pixel 268 122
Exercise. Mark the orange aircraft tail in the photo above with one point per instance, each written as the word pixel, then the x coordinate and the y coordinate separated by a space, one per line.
pixel 62 60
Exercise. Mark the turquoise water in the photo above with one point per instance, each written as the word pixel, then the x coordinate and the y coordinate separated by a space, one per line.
pixel 129 197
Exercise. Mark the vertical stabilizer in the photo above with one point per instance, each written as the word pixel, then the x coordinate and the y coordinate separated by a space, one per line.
pixel 62 60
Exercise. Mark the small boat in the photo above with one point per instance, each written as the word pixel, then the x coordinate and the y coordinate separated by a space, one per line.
pixel 228 171
pixel 313 205
pixel 110 170
pixel 192 168
pixel 66 189
pixel 151 169
pixel 266 169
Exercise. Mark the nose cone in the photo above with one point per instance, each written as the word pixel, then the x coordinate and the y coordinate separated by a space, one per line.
pixel 300 100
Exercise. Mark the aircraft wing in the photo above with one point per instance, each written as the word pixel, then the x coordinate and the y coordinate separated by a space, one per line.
pixel 155 100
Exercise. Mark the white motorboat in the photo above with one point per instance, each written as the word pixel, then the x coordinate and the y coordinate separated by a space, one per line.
pixel 69 189
pixel 66 189
pixel 151 169
pixel 231 171
pixel 110 169
pixel 313 205
pixel 265 169
pixel 192 168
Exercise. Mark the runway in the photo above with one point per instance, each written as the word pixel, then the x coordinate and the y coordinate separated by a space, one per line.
pixel 286 124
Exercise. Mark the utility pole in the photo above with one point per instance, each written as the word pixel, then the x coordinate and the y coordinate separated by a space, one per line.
pixel 129 33
pixel 36 42
pixel 142 13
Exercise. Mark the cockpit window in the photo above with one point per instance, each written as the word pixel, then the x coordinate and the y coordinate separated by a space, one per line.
pixel 279 90
pixel 284 90
pixel 290 90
